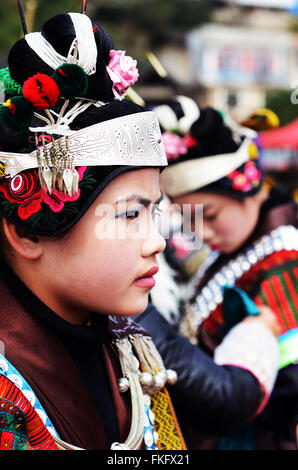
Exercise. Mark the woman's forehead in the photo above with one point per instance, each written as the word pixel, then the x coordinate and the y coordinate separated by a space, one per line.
pixel 133 185
pixel 208 199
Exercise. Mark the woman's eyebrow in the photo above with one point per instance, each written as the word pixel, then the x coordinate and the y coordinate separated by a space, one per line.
pixel 207 207
pixel 140 199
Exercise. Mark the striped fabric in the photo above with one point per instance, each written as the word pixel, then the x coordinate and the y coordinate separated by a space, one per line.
pixel 279 290
pixel 38 436
pixel 272 282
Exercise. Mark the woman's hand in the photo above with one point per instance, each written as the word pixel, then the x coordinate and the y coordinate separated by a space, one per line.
pixel 268 318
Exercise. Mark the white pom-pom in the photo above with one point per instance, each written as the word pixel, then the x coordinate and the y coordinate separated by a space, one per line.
pixel 123 384
pixel 146 379
pixel 171 376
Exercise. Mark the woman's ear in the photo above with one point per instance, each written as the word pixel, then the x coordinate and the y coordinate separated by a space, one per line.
pixel 26 245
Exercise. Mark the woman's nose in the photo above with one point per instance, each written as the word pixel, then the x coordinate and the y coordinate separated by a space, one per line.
pixel 154 243
pixel 208 232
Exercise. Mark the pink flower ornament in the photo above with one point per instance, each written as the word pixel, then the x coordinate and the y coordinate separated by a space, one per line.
pixel 174 145
pixel 122 71
pixel 251 172
pixel 244 181
pixel 57 199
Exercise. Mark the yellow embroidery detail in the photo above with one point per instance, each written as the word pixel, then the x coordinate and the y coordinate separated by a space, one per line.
pixel 165 422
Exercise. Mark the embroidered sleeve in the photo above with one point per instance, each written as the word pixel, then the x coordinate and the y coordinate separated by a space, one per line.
pixel 251 346
pixel 13 427
pixel 278 290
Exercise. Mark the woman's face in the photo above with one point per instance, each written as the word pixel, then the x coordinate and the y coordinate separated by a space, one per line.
pixel 227 222
pixel 103 264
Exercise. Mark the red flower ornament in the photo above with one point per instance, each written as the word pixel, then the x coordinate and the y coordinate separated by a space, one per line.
pixel 24 189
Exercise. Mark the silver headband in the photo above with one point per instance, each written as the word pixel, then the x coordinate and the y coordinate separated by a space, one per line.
pixel 133 140
pixel 190 175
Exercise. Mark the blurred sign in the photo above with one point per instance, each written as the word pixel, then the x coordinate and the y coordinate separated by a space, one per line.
pixel 243 66
pixel 283 4
pixel 240 57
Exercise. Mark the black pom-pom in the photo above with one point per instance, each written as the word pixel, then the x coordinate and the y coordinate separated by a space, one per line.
pixel 17 113
pixel 72 80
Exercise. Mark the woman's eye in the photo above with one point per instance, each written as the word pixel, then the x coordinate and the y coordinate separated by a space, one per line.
pixel 131 214
pixel 210 217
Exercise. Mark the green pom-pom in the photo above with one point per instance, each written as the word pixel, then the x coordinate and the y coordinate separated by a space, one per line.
pixel 72 80
pixel 17 113
pixel 10 86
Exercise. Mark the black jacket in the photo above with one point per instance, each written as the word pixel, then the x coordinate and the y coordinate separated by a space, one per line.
pixel 210 398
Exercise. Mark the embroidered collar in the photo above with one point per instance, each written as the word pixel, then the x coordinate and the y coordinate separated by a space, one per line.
pixel 281 238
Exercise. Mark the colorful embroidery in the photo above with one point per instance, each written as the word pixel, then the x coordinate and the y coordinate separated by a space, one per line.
pixel 270 251
pixel 272 282
pixel 278 292
pixel 166 425
pixel 22 196
pixel 24 189
pixel 13 429
pixel 38 435
pixel 16 390
pixel 245 178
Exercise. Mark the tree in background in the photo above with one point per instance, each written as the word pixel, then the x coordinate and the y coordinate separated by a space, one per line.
pixel 135 25
pixel 142 25
pixel 280 102
pixel 37 11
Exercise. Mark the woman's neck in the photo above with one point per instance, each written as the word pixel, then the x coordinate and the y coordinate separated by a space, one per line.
pixel 40 285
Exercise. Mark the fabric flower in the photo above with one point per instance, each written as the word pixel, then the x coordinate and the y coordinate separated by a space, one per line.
pixel 25 190
pixel 57 199
pixel 239 181
pixel 251 172
pixel 174 145
pixel 122 71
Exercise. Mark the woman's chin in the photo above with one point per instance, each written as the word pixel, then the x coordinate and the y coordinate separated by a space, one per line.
pixel 136 308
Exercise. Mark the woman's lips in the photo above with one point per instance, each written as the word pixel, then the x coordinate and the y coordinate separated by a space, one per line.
pixel 147 280
pixel 215 246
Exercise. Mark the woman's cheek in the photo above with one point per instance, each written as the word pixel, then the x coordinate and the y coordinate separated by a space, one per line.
pixel 231 225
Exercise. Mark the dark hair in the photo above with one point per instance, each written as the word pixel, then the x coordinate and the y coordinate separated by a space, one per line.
pixel 212 136
pixel 59 31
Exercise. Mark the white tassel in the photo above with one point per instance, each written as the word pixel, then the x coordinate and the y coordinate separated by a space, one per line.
pixel 130 369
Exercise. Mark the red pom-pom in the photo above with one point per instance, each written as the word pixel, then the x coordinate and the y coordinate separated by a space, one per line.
pixel 41 90
pixel 190 141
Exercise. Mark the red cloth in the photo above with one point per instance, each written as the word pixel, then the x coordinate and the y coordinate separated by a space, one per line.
pixel 285 137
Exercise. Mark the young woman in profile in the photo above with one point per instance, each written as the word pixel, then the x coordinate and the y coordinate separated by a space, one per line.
pixel 254 231
pixel 79 192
